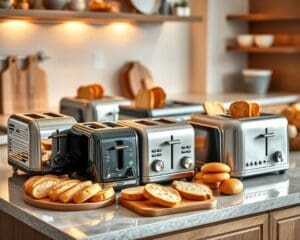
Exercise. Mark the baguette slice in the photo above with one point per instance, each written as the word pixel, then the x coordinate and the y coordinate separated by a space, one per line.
pixel 60 188
pixel 86 193
pixel 164 196
pixel 133 193
pixel 39 180
pixel 29 182
pixel 193 191
pixel 214 108
pixel 42 189
pixel 102 195
pixel 68 195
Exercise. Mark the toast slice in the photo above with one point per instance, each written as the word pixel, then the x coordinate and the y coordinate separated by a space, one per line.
pixel 60 188
pixel 86 92
pixel 240 109
pixel 68 195
pixel 98 91
pixel 255 110
pixel 42 189
pixel 102 195
pixel 86 193
pixel 159 97
pixel 161 195
pixel 133 193
pixel 193 191
pixel 36 182
pixel 214 108
pixel 145 99
pixel 29 182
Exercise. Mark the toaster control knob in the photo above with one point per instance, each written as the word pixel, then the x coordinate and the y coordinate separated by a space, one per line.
pixel 130 172
pixel 186 162
pixel 158 165
pixel 107 175
pixel 277 156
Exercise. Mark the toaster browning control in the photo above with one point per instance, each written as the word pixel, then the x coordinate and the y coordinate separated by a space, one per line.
pixel 158 165
pixel 186 162
pixel 277 156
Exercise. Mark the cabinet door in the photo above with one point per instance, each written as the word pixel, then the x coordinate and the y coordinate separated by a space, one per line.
pixel 251 228
pixel 285 224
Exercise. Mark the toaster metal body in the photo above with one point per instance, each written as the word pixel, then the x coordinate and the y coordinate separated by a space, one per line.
pixel 105 152
pixel 166 149
pixel 177 110
pixel 250 146
pixel 84 110
pixel 25 135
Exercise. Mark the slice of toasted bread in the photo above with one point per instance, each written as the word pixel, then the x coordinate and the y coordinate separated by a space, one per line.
pixel 60 188
pixel 29 182
pixel 133 193
pixel 214 108
pixel 255 110
pixel 212 186
pixel 102 195
pixel 193 191
pixel 98 91
pixel 161 195
pixel 159 97
pixel 145 99
pixel 215 167
pixel 240 109
pixel 215 177
pixel 86 92
pixel 86 193
pixel 68 195
pixel 42 189
pixel 39 180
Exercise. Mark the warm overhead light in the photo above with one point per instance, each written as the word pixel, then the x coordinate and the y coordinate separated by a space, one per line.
pixel 15 24
pixel 120 26
pixel 74 25
pixel 16 30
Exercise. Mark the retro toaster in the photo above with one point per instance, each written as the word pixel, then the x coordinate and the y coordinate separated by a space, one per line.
pixel 29 146
pixel 250 146
pixel 105 152
pixel 166 149
pixel 84 110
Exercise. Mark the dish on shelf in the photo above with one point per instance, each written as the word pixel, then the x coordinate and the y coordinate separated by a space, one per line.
pixel 264 40
pixel 245 40
pixel 146 7
pixel 257 81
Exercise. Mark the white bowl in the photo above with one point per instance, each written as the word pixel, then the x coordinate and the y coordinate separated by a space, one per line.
pixel 245 40
pixel 257 81
pixel 264 41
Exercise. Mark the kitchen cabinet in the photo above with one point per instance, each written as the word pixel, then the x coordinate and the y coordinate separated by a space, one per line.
pixel 250 228
pixel 285 224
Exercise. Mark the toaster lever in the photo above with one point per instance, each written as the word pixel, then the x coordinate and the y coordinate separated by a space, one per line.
pixel 172 142
pixel 266 135
pixel 120 147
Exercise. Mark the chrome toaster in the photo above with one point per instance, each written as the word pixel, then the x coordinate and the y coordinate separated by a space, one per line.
pixel 84 110
pixel 166 149
pixel 250 146
pixel 105 152
pixel 29 146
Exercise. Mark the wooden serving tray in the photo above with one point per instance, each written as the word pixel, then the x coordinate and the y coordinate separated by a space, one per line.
pixel 148 209
pixel 47 204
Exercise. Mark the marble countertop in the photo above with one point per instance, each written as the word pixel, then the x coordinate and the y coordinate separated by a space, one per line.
pixel 116 222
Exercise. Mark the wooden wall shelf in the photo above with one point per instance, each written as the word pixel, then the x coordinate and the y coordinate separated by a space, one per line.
pixel 275 49
pixel 57 16
pixel 262 17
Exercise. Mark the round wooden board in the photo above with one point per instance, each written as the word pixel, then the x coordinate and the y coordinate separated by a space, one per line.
pixel 47 204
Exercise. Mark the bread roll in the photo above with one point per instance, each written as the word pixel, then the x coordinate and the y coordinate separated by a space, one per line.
pixel 231 186
pixel 60 188
pixel 161 195
pixel 215 177
pixel 86 193
pixel 102 195
pixel 214 108
pixel 133 193
pixel 193 191
pixel 215 167
pixel 67 196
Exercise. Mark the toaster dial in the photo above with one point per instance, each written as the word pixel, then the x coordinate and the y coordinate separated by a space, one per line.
pixel 277 156
pixel 158 165
pixel 186 162
pixel 130 172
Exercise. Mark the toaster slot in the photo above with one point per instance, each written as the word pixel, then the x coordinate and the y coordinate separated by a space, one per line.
pixel 93 125
pixel 34 116
pixel 146 123
pixel 111 124
pixel 53 115
pixel 120 148
pixel 165 121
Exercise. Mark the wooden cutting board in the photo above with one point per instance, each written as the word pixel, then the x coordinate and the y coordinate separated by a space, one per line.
pixel 37 86
pixel 47 204
pixel 148 209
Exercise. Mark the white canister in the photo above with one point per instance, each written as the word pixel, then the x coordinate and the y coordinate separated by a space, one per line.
pixel 77 5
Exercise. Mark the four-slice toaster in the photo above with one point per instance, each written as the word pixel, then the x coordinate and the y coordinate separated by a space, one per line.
pixel 84 110
pixel 166 149
pixel 26 133
pixel 105 152
pixel 250 146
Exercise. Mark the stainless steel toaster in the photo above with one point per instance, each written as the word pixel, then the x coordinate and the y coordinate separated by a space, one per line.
pixel 166 149
pixel 27 134
pixel 105 152
pixel 250 146
pixel 84 110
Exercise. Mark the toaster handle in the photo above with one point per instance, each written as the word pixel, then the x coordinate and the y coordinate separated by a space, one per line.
pixel 266 135
pixel 120 147
pixel 172 142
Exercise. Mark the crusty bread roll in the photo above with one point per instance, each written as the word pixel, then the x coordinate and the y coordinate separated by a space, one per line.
pixel 240 109
pixel 231 186
pixel 255 110
pixel 60 188
pixel 215 167
pixel 193 191
pixel 42 189
pixel 29 182
pixel 133 193
pixel 67 196
pixel 86 193
pixel 214 108
pixel 215 177
pixel 161 195
pixel 102 195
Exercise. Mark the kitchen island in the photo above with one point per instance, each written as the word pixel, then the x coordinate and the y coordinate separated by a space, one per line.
pixel 246 215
